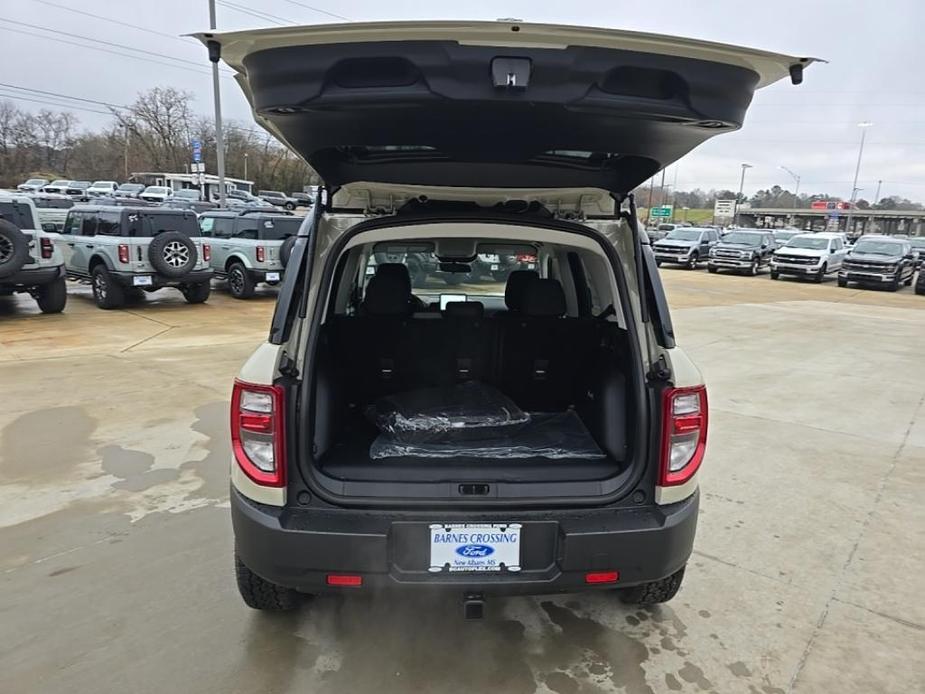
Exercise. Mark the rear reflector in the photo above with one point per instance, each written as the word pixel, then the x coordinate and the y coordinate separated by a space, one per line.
pixel 344 580
pixel 596 577
pixel 684 434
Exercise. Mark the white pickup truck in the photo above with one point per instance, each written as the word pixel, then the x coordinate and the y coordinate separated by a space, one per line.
pixel 29 259
pixel 810 255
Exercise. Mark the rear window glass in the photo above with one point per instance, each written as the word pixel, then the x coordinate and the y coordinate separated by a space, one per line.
pixel 17 213
pixel 146 224
pixel 279 229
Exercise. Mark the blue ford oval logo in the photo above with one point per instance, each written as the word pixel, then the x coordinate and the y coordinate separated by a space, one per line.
pixel 474 550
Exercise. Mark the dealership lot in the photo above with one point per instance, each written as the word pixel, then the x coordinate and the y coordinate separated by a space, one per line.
pixel 117 546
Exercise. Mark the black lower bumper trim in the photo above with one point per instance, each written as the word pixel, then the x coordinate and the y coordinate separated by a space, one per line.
pixel 299 548
pixel 33 277
pixel 127 279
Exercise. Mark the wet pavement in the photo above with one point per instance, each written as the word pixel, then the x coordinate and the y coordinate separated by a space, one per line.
pixel 116 568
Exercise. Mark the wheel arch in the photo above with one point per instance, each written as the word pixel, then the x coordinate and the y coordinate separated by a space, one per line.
pixel 237 257
pixel 99 259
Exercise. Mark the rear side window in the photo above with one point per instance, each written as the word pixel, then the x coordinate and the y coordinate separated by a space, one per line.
pixel 72 224
pixel 279 229
pixel 246 229
pixel 147 224
pixel 20 215
pixel 109 223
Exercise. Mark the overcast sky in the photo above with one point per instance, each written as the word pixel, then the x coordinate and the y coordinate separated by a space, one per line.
pixel 876 54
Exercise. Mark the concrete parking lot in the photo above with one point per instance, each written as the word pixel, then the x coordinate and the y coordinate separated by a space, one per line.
pixel 807 574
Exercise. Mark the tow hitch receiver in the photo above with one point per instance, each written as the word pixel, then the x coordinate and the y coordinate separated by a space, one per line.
pixel 473 605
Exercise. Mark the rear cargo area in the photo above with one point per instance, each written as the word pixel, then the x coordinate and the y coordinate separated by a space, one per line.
pixel 565 373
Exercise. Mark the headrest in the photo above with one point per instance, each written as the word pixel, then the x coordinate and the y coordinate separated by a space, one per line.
pixel 397 271
pixel 464 309
pixel 514 289
pixel 543 298
pixel 388 293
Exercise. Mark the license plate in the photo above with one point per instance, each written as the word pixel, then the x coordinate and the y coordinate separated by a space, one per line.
pixel 494 267
pixel 531 266
pixel 474 547
pixel 143 281
pixel 272 277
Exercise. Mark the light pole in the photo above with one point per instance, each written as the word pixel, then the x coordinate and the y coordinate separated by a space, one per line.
pixel 877 196
pixel 214 56
pixel 245 166
pixel 863 125
pixel 796 194
pixel 735 211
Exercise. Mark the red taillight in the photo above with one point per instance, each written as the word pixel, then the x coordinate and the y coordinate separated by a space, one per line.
pixel 596 577
pixel 206 252
pixel 258 432
pixel 260 254
pixel 48 248
pixel 351 580
pixel 123 253
pixel 526 258
pixel 684 434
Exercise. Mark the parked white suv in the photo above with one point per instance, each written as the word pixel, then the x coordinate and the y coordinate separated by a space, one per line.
pixel 810 255
pixel 397 431
pixel 29 261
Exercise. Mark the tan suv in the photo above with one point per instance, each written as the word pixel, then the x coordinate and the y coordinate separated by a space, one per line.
pixel 538 432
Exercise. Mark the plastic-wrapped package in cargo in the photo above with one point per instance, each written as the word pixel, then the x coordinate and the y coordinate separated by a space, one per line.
pixel 466 410
pixel 559 435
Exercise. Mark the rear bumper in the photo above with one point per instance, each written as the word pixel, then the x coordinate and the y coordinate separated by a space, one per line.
pixel 127 279
pixel 32 277
pixel 299 548
pixel 261 275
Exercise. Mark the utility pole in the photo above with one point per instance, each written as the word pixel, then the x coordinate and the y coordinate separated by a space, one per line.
pixel 215 50
pixel 735 210
pixel 877 196
pixel 661 190
pixel 245 166
pixel 125 154
pixel 863 125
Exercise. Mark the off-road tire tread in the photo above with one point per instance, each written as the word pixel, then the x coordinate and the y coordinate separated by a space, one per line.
pixel 259 594
pixel 655 592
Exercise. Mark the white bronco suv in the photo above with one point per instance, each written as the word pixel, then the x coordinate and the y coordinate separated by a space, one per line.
pixel 535 433
pixel 29 260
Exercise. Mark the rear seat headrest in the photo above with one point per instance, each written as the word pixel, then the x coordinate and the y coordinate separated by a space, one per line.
pixel 397 271
pixel 514 289
pixel 464 309
pixel 543 298
pixel 387 294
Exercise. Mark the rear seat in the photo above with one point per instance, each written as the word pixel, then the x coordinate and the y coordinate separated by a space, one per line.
pixel 542 352
pixel 534 354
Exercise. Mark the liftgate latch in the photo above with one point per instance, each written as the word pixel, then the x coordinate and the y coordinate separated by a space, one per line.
pixel 511 73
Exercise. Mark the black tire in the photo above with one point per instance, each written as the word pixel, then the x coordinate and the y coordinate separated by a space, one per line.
pixel 908 282
pixel 920 288
pixel 692 263
pixel 655 592
pixel 285 251
pixel 14 249
pixel 842 282
pixel 260 594
pixel 753 268
pixel 658 263
pixel 240 283
pixel 820 276
pixel 289 206
pixel 775 275
pixel 712 270
pixel 52 297
pixel 896 283
pixel 106 292
pixel 197 293
pixel 172 254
